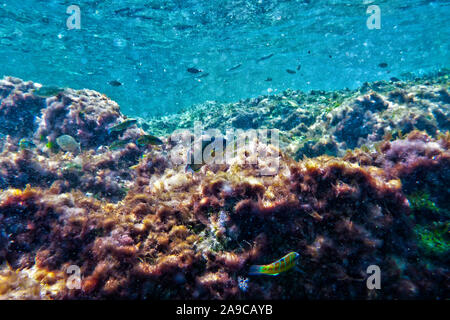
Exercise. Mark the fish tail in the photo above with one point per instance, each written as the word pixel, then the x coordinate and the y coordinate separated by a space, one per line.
pixel 255 270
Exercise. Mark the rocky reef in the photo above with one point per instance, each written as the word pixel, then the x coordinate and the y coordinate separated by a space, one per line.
pixel 318 122
pixel 362 180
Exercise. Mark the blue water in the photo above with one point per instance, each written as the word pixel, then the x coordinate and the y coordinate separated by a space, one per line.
pixel 148 46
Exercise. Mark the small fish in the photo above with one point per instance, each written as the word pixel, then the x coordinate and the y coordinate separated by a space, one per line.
pixel 290 71
pixel 265 57
pixel 284 264
pixel 123 125
pixel 149 139
pixel 394 79
pixel 118 144
pixel 268 79
pixel 292 103
pixel 115 83
pixel 383 65
pixel 194 70
pixel 47 91
pixel 299 67
pixel 26 144
pixel 194 167
pixel 68 143
pixel 235 67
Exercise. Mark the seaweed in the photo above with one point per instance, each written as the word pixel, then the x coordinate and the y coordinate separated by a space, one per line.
pixel 434 239
pixel 420 200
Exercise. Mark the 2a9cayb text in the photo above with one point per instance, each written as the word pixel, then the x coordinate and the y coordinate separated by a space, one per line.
pixel 226 309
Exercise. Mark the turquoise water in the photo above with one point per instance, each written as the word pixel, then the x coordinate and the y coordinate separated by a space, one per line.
pixel 147 46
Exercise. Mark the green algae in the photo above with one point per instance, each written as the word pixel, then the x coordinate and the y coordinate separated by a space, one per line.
pixel 420 200
pixel 435 238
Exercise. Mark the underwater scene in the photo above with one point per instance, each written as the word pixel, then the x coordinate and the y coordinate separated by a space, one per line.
pixel 224 150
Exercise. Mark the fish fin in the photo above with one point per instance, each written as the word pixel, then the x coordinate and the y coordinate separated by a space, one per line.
pixel 255 270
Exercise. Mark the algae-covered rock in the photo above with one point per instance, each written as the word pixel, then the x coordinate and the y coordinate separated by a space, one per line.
pixel 138 225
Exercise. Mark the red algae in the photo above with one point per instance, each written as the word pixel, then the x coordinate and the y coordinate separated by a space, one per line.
pixel 153 231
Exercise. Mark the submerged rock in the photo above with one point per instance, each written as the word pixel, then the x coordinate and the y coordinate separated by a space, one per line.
pixel 138 226
pixel 347 119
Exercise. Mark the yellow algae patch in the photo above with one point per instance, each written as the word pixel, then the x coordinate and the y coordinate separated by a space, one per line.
pixel 191 239
pixel 395 184
pixel 27 284
pixel 269 194
pixel 179 232
pixel 254 182
pixel 268 204
pixel 176 181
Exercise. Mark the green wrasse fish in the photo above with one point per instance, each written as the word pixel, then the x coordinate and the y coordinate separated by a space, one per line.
pixel 123 125
pixel 118 144
pixel 149 139
pixel 47 91
pixel 26 144
pixel 284 264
